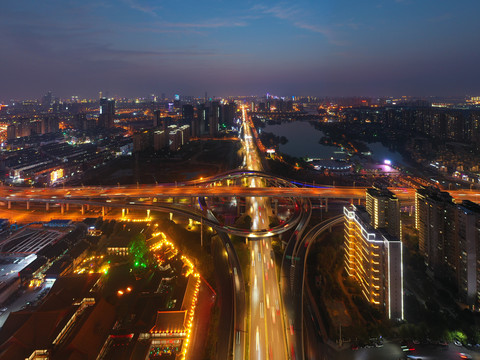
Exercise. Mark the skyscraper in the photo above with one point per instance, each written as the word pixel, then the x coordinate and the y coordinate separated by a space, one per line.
pixel 214 118
pixel 187 113
pixel 157 122
pixel 384 210
pixel 203 118
pixel 47 100
pixel 228 115
pixel 107 113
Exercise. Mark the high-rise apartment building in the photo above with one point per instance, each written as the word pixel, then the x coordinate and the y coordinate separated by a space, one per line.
pixel 187 112
pixel 435 222
pixel 449 239
pixel 384 210
pixel 374 259
pixel 467 248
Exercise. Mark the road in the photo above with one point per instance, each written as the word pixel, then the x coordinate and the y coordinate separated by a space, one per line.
pixel 209 187
pixel 267 334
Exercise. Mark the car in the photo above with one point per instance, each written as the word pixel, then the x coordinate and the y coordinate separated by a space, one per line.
pixel 354 347
pixel 465 356
pixel 456 342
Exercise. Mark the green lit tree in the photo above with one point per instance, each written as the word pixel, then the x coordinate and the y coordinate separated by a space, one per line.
pixel 139 252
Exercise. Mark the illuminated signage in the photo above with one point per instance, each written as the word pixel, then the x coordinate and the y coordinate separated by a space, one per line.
pixel 55 175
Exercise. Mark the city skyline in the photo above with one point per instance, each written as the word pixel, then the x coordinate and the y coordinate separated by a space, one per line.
pixel 137 48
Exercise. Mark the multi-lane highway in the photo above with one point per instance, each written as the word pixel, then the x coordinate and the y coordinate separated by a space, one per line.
pixel 267 335
pixel 192 191
pixel 275 318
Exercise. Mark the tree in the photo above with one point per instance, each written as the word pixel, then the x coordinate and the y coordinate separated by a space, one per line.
pixel 139 252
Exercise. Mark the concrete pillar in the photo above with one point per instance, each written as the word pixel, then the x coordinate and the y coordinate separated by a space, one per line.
pixel 128 211
pixel 171 216
pixel 103 210
pixel 148 213
pixel 201 231
pixel 9 204
pixel 88 207
pixel 67 207
pixel 326 204
pixel 62 208
pixel 47 206
pixel 83 209
pixel 275 201
pixel 123 213
pixel 28 205
pixel 359 201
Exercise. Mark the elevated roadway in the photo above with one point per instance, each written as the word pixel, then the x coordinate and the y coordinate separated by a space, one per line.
pixel 214 188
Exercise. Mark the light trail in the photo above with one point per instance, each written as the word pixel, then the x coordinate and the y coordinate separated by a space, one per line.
pixel 269 335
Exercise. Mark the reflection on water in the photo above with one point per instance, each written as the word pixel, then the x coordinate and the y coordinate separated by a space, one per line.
pixel 381 153
pixel 303 141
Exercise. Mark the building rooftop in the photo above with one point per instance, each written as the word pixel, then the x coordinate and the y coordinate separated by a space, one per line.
pixel 381 192
pixel 470 206
pixel 435 194
pixel 170 321
pixel 368 231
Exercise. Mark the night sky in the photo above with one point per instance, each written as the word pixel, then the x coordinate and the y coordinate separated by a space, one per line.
pixel 323 47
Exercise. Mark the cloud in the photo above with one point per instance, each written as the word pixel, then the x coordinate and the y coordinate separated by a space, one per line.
pixel 313 28
pixel 280 11
pixel 106 50
pixel 188 28
pixel 296 17
pixel 150 10
pixel 213 24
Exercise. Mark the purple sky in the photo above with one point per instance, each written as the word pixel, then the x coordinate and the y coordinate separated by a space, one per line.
pixel 331 47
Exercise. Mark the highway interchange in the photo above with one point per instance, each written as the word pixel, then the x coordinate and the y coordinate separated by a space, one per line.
pixel 276 304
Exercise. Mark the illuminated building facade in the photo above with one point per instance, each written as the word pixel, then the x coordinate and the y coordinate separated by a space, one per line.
pixel 375 260
pixel 384 210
